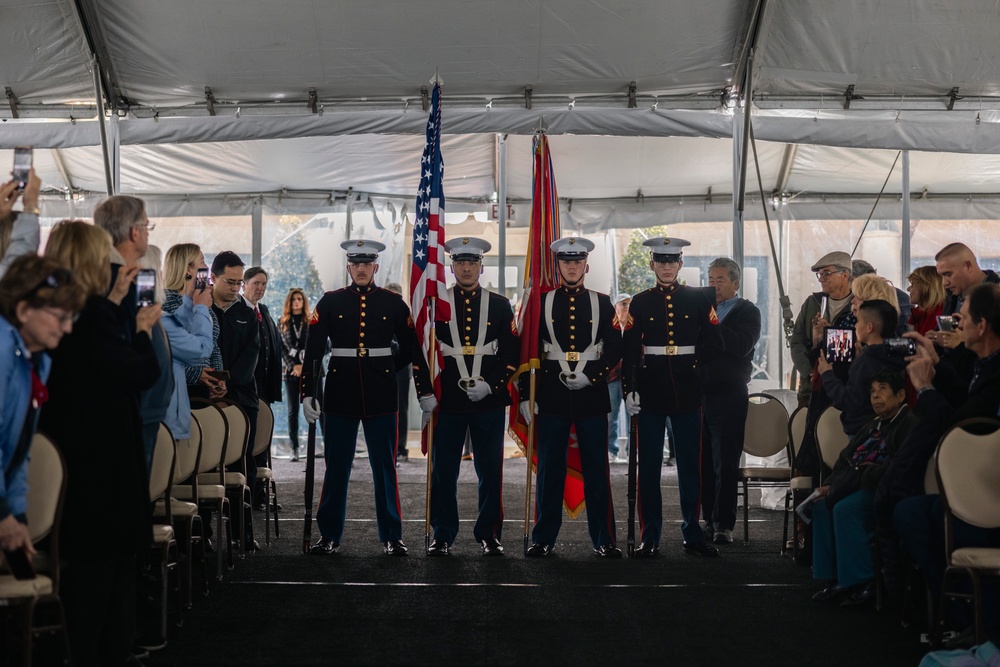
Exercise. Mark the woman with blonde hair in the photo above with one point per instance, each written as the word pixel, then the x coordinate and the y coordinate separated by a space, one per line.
pixel 927 296
pixel 294 327
pixel 93 417
pixel 872 287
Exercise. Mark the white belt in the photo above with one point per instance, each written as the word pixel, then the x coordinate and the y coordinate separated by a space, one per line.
pixel 361 352
pixel 669 350
pixel 593 353
pixel 469 350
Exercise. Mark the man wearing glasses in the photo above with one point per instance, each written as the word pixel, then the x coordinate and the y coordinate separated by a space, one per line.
pixel 833 271
pixel 125 219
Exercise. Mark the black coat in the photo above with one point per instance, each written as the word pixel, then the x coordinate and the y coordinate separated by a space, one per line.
pixel 730 369
pixel 497 369
pixel 92 415
pixel 572 322
pixel 268 371
pixel 239 343
pixel 660 316
pixel 363 317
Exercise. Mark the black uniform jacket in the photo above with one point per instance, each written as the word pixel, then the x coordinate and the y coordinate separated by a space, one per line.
pixel 497 369
pixel 662 316
pixel 572 322
pixel 360 318
pixel 239 343
pixel 730 370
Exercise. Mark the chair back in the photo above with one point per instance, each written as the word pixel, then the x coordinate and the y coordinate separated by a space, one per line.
pixel 766 431
pixel 968 467
pixel 214 433
pixel 188 454
pixel 239 431
pixel 797 428
pixel 265 429
pixel 46 487
pixel 830 436
pixel 161 472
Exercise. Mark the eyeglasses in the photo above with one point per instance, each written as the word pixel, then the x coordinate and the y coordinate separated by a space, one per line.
pixel 233 283
pixel 62 315
pixel 56 279
pixel 148 226
pixel 823 275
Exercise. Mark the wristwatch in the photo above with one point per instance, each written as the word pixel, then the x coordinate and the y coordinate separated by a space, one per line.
pixel 34 210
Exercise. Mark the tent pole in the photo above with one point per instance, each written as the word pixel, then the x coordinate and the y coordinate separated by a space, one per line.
pixel 904 246
pixel 737 208
pixel 502 214
pixel 109 183
pixel 256 233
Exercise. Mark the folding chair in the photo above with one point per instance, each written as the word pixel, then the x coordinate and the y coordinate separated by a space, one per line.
pixel 765 434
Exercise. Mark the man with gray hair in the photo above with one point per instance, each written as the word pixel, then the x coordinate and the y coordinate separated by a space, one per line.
pixel 125 219
pixel 724 378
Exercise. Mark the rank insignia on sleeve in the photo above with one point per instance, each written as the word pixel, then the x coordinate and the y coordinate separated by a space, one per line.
pixel 713 317
pixel 315 317
pixel 513 327
pixel 409 322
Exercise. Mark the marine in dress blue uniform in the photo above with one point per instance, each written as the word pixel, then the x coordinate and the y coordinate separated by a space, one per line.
pixel 481 351
pixel 360 322
pixel 669 326
pixel 580 346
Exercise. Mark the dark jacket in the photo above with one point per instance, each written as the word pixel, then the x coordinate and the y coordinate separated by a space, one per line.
pixel 268 371
pixel 497 369
pixel 853 397
pixel 894 432
pixel 661 316
pixel 730 370
pixel 572 322
pixel 953 304
pixel 239 343
pixel 356 318
pixel 293 345
pixel 92 415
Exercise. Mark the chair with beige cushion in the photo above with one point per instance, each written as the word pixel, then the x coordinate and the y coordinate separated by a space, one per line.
pixel 232 473
pixel 25 599
pixel 968 473
pixel 830 438
pixel 765 434
pixel 164 549
pixel 265 476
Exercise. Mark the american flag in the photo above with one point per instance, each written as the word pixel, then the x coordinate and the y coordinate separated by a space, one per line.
pixel 428 292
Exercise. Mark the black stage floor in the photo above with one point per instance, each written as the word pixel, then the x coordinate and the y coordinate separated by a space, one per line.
pixel 750 607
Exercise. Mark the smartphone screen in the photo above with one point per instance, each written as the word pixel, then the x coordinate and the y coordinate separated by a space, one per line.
pixel 946 323
pixel 201 280
pixel 839 344
pixel 22 165
pixel 145 288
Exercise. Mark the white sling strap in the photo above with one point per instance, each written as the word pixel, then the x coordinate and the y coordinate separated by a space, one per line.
pixel 480 349
pixel 554 351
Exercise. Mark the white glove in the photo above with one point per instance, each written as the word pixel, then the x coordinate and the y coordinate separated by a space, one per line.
pixel 428 403
pixel 632 403
pixel 577 381
pixel 478 390
pixel 312 409
pixel 525 411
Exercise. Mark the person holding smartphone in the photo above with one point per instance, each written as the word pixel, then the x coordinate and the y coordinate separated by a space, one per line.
pixel 20 231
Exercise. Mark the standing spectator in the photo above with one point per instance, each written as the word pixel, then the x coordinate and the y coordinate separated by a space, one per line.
pixel 960 272
pixel 724 379
pixel 155 401
pixel 20 231
pixel 927 295
pixel 93 417
pixel 860 267
pixel 294 327
pixel 621 303
pixel 188 323
pixel 125 219
pixel 38 303
pixel 403 377
pixel 239 343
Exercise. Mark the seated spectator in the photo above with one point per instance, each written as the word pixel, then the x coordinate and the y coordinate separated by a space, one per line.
pixel 20 231
pixel 860 267
pixel 927 295
pixel 876 322
pixel 93 417
pixel 155 401
pixel 844 519
pixel 38 302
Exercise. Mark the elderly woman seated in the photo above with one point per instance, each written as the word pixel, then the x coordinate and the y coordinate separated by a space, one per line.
pixel 844 517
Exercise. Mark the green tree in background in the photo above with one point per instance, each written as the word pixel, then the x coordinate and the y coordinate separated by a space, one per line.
pixel 634 275
pixel 289 264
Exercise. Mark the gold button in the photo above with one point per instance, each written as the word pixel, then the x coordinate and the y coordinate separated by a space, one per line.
pixel 671 342
pixel 468 319
pixel 361 344
pixel 668 297
pixel 572 337
pixel 572 328
pixel 670 305
pixel 572 317
pixel 362 334
pixel 362 324
pixel 572 299
pixel 572 307
pixel 572 347
pixel 362 298
pixel 467 301
pixel 468 328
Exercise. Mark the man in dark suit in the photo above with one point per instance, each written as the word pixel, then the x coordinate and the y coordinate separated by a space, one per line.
pixel 361 321
pixel 578 337
pixel 668 327
pixel 480 352
pixel 724 378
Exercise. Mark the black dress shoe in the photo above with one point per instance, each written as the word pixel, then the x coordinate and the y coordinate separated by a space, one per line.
pixel 492 548
pixel 861 595
pixel 438 548
pixel 324 547
pixel 395 548
pixel 702 549
pixel 608 551
pixel 539 550
pixel 647 550
pixel 829 594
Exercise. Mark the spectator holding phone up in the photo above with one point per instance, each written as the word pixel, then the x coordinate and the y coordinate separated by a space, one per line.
pixel 19 230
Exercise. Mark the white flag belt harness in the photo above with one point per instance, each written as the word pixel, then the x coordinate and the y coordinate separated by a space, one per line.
pixel 555 352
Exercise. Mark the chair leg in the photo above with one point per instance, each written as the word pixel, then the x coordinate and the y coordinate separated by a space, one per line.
pixel 746 515
pixel 274 489
pixel 942 605
pixel 977 604
pixel 784 529
pixel 164 557
pixel 218 537
pixel 267 514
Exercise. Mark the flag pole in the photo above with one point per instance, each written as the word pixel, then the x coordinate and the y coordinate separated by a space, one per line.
pixel 432 354
pixel 528 455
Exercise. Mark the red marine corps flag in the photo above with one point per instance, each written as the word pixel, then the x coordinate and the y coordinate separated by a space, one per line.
pixel 540 276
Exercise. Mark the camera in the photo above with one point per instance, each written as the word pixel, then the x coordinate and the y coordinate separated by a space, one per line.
pixel 201 280
pixel 22 165
pixel 900 347
pixel 946 323
pixel 145 288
